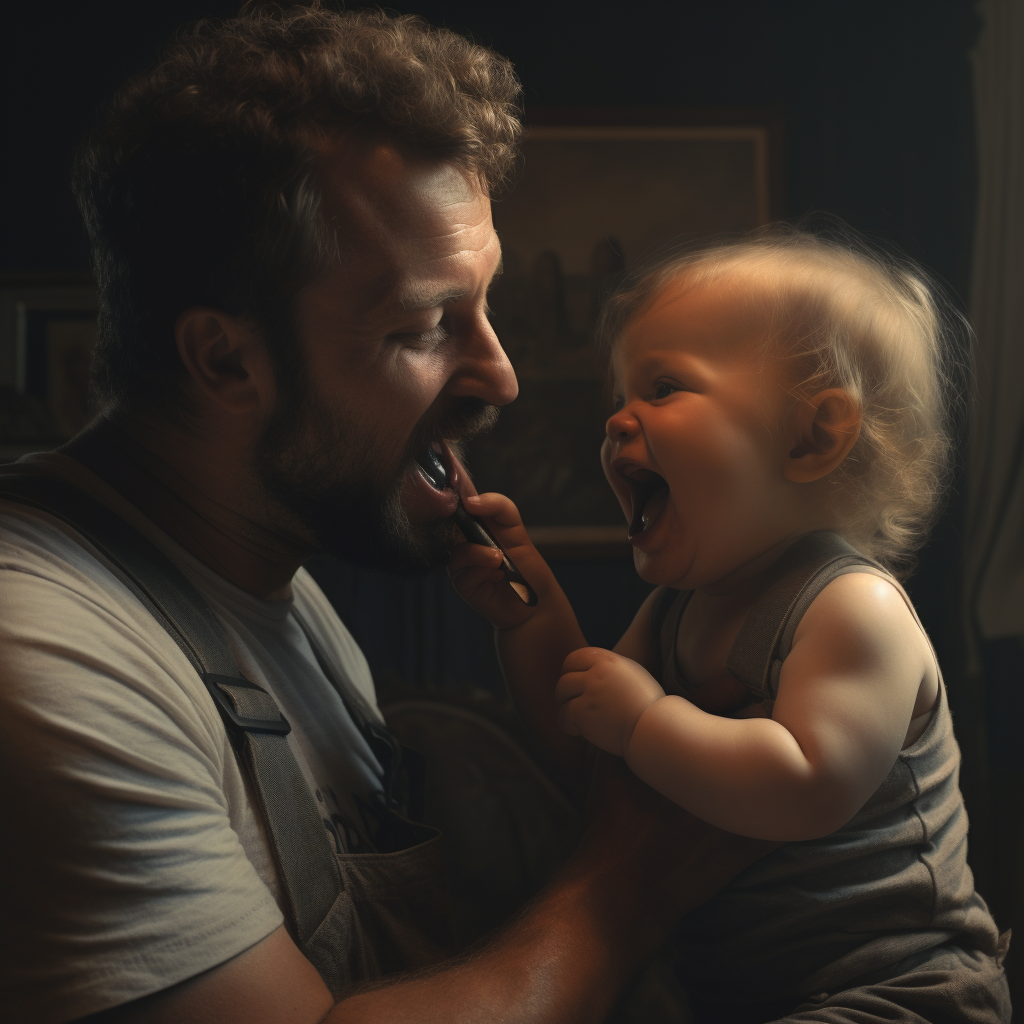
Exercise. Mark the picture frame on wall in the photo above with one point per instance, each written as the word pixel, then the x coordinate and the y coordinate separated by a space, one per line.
pixel 598 191
pixel 47 337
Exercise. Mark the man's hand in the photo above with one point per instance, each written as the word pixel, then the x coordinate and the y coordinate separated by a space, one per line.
pixel 601 696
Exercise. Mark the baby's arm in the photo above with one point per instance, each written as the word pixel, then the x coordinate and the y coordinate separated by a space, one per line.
pixel 847 693
pixel 532 643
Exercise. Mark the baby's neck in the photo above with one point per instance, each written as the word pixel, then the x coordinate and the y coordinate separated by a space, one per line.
pixel 746 580
pixel 711 622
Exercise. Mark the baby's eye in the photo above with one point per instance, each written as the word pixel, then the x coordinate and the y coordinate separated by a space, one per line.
pixel 617 403
pixel 663 389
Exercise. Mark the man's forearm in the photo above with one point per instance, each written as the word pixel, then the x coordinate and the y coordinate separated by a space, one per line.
pixel 571 952
pixel 551 966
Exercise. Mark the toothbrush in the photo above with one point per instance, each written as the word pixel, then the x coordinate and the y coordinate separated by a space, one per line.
pixel 474 529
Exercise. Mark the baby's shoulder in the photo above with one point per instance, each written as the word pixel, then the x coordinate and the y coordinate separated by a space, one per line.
pixel 866 612
pixel 861 595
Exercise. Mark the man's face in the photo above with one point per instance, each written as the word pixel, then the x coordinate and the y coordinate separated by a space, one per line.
pixel 395 354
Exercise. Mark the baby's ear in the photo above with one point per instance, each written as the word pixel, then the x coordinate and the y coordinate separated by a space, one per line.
pixel 824 429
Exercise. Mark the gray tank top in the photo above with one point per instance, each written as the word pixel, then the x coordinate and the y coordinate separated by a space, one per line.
pixel 816 915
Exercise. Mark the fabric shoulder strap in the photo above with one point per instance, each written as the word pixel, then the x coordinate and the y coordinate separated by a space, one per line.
pixel 766 636
pixel 307 867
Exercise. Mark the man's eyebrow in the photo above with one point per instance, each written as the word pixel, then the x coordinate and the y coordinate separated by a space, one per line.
pixel 417 299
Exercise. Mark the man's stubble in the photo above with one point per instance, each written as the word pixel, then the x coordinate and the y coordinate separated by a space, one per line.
pixel 342 482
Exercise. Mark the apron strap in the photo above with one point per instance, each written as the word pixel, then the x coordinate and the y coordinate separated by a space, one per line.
pixel 307 866
pixel 766 636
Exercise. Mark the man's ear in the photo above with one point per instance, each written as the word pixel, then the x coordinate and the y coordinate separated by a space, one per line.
pixel 824 429
pixel 225 356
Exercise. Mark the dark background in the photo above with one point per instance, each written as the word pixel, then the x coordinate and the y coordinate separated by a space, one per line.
pixel 876 106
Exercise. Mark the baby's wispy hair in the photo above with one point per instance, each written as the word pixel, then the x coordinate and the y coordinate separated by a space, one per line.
pixel 844 314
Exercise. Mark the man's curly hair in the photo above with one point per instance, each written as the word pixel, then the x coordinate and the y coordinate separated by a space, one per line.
pixel 197 186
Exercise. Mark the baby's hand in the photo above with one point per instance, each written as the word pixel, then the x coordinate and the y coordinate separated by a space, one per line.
pixel 475 570
pixel 602 696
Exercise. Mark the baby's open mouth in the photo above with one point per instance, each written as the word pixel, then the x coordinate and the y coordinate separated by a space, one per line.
pixel 650 493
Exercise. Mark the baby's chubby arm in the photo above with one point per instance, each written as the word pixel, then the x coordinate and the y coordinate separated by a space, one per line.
pixel 846 696
pixel 602 694
pixel 533 642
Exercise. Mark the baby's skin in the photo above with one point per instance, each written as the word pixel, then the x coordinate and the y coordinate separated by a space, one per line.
pixel 719 463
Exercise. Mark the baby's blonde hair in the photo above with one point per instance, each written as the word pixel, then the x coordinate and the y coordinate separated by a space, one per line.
pixel 847 316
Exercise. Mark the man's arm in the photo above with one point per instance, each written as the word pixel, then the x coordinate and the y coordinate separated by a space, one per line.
pixel 642 864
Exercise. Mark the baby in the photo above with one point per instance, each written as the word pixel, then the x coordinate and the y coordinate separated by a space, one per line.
pixel 777 446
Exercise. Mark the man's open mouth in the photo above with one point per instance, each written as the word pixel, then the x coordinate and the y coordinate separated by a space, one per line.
pixel 435 462
pixel 649 493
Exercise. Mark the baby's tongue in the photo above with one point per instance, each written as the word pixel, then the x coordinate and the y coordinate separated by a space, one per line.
pixel 653 508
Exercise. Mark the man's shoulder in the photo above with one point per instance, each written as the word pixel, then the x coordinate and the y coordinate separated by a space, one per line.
pixel 116 773
pixel 72 632
pixel 38 545
pixel 36 541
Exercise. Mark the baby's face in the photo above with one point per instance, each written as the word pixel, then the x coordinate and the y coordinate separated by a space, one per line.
pixel 696 449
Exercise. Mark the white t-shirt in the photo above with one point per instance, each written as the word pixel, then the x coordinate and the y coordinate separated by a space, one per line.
pixel 132 858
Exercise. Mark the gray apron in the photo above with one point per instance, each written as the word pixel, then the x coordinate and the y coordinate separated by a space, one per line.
pixel 356 917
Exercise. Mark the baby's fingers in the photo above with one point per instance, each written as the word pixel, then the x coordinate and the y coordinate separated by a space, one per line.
pixel 496 508
pixel 583 658
pixel 569 686
pixel 566 719
pixel 472 556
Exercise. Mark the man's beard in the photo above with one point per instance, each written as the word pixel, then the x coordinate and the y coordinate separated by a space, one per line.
pixel 344 488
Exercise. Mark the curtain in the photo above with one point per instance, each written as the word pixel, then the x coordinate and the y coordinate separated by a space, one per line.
pixel 994 530
pixel 995 526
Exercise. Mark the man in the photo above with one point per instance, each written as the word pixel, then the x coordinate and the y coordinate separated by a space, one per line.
pixel 292 237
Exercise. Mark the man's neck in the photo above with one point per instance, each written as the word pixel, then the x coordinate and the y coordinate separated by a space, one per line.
pixel 198 493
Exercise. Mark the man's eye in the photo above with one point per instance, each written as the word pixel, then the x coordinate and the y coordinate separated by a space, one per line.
pixel 422 339
pixel 435 336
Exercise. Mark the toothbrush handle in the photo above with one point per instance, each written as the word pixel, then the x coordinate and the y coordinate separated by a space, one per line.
pixel 477 533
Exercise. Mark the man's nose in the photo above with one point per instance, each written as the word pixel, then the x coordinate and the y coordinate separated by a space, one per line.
pixel 484 370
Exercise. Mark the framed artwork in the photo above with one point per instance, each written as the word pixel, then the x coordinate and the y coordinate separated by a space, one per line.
pixel 597 191
pixel 47 335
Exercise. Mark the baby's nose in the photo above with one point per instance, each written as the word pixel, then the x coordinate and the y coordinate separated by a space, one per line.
pixel 621 425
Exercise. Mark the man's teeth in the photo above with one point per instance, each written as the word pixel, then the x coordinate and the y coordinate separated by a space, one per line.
pixel 433 468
